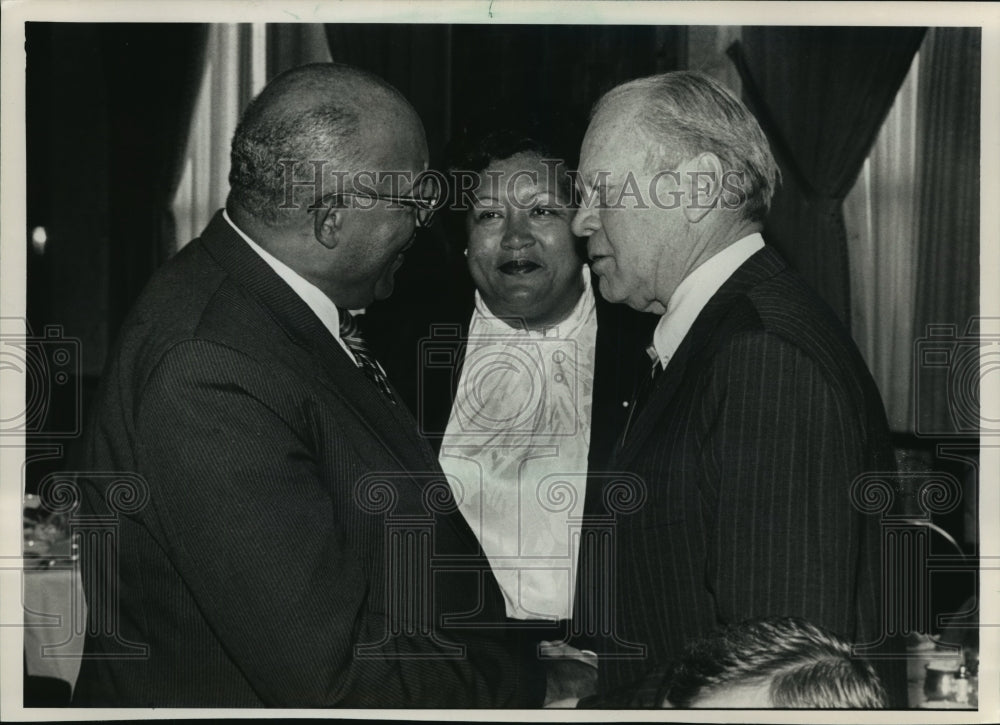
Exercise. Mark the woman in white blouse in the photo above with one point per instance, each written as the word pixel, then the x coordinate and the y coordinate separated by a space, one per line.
pixel 538 395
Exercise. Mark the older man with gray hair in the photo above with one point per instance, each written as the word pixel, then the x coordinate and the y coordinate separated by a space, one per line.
pixel 758 414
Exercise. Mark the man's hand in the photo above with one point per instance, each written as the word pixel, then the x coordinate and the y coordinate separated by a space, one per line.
pixel 570 673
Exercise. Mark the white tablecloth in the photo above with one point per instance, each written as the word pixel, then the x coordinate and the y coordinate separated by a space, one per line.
pixel 54 632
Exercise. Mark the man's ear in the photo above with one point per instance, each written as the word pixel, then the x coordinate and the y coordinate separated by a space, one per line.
pixel 704 177
pixel 327 224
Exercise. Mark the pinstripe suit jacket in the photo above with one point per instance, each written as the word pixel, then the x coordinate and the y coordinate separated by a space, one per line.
pixel 254 562
pixel 746 448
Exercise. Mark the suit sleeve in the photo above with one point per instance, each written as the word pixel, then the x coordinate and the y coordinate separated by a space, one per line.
pixel 256 535
pixel 784 448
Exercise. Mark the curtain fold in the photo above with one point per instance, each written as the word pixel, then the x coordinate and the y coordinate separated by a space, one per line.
pixel 416 59
pixel 234 73
pixel 821 95
pixel 153 72
pixel 881 214
pixel 946 392
pixel 240 59
pixel 448 72
pixel 294 44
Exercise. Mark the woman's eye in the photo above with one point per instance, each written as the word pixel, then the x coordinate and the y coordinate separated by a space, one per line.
pixel 544 211
pixel 488 214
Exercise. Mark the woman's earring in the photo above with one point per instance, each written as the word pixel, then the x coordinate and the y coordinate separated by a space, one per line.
pixel 465 252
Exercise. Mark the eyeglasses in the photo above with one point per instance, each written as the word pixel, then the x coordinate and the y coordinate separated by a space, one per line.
pixel 426 207
pixel 426 201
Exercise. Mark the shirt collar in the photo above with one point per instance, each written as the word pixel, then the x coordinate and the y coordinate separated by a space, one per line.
pixel 321 305
pixel 694 292
pixel 567 328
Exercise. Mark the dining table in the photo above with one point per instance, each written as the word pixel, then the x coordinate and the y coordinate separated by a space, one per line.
pixel 55 616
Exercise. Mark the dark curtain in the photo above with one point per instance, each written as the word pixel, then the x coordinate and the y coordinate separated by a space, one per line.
pixel 152 74
pixel 413 58
pixel 416 59
pixel 549 69
pixel 294 44
pixel 821 95
pixel 947 380
pixel 451 73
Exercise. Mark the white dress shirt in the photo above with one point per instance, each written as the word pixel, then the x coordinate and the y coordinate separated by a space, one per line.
pixel 694 292
pixel 515 451
pixel 313 296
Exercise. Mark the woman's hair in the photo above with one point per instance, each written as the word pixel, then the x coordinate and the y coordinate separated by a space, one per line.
pixel 496 133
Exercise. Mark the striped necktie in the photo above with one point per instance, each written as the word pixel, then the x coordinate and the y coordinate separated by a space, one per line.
pixel 350 333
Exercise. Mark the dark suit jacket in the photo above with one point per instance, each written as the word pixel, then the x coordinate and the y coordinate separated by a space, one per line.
pixel 269 473
pixel 746 449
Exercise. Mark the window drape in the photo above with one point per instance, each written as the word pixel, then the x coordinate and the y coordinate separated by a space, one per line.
pixel 416 59
pixel 240 59
pixel 946 391
pixel 881 213
pixel 294 44
pixel 234 73
pixel 821 95
pixel 153 72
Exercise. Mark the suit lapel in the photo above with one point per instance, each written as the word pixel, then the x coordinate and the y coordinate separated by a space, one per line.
pixel 619 363
pixel 392 425
pixel 389 424
pixel 463 347
pixel 662 392
pixel 762 265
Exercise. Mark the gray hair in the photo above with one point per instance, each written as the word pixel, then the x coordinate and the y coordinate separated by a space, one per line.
pixel 690 113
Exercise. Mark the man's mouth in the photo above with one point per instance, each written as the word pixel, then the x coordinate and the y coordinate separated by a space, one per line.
pixel 595 256
pixel 519 266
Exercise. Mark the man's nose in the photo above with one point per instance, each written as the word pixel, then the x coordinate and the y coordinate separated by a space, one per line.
pixel 586 221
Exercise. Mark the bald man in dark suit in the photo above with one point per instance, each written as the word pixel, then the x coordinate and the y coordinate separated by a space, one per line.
pixel 284 537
